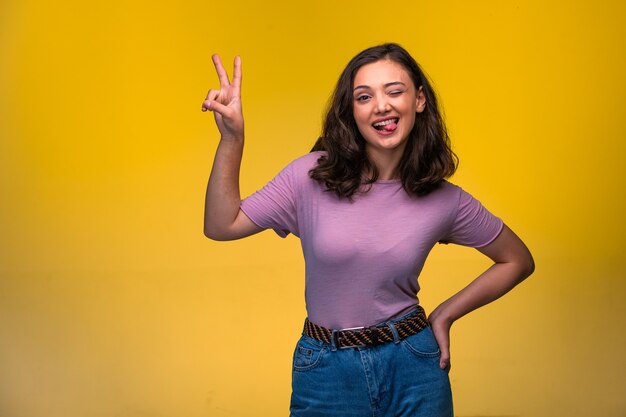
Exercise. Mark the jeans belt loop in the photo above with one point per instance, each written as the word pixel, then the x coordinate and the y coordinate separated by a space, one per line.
pixel 396 336
pixel 334 341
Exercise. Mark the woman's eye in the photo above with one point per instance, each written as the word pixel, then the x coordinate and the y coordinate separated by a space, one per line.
pixel 362 98
pixel 395 93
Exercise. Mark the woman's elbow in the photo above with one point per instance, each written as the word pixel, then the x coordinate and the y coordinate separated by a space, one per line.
pixel 527 266
pixel 531 266
pixel 215 234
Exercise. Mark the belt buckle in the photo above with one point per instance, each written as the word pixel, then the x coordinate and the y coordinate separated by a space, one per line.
pixel 337 336
pixel 373 332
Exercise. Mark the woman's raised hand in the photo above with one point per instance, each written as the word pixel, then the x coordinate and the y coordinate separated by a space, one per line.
pixel 225 103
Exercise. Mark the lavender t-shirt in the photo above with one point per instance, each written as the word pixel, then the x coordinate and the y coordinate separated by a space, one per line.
pixel 363 257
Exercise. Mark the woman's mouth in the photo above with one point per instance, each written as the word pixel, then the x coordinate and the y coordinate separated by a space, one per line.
pixel 388 125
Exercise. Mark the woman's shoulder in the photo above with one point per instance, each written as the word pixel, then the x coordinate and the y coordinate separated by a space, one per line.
pixel 446 190
pixel 455 196
pixel 447 196
pixel 305 163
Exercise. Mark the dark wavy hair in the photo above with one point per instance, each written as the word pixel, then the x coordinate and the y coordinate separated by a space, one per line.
pixel 428 158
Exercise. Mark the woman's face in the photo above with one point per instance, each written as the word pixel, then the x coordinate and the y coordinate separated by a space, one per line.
pixel 385 102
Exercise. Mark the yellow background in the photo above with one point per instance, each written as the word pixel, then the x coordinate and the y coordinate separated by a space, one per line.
pixel 113 303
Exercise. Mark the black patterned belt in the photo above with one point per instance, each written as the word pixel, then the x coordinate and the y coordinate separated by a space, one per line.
pixel 368 336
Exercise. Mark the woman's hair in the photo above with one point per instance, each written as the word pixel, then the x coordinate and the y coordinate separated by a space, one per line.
pixel 427 159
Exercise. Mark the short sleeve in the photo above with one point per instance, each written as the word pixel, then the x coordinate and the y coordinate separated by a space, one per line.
pixel 274 206
pixel 472 225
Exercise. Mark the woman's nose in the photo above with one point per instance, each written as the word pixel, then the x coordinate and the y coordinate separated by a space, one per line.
pixel 382 105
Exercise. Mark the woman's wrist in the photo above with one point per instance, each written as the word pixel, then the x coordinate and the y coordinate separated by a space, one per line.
pixel 232 138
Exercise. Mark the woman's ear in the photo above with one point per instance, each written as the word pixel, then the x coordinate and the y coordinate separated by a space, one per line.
pixel 420 100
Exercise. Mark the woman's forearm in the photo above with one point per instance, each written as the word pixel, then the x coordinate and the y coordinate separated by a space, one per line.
pixel 222 195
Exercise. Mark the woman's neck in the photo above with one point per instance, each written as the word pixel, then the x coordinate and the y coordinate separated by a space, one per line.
pixel 386 162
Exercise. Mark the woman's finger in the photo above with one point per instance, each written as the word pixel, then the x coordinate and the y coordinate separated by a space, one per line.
pixel 237 77
pixel 443 340
pixel 444 359
pixel 221 72
pixel 217 107
pixel 211 96
pixel 442 336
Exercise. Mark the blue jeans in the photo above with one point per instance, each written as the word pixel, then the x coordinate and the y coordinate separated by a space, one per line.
pixel 396 379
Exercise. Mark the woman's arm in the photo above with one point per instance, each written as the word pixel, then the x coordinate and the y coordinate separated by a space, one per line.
pixel 513 263
pixel 223 219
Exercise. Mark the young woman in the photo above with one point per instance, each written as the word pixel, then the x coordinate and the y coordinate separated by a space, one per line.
pixel 368 203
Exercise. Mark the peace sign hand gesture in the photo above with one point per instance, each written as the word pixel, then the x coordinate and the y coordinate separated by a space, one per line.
pixel 225 103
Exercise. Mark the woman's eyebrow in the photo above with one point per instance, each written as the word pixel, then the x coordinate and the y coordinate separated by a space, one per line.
pixel 386 85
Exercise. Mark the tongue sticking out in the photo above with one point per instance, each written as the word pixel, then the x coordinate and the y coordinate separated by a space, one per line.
pixel 390 127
